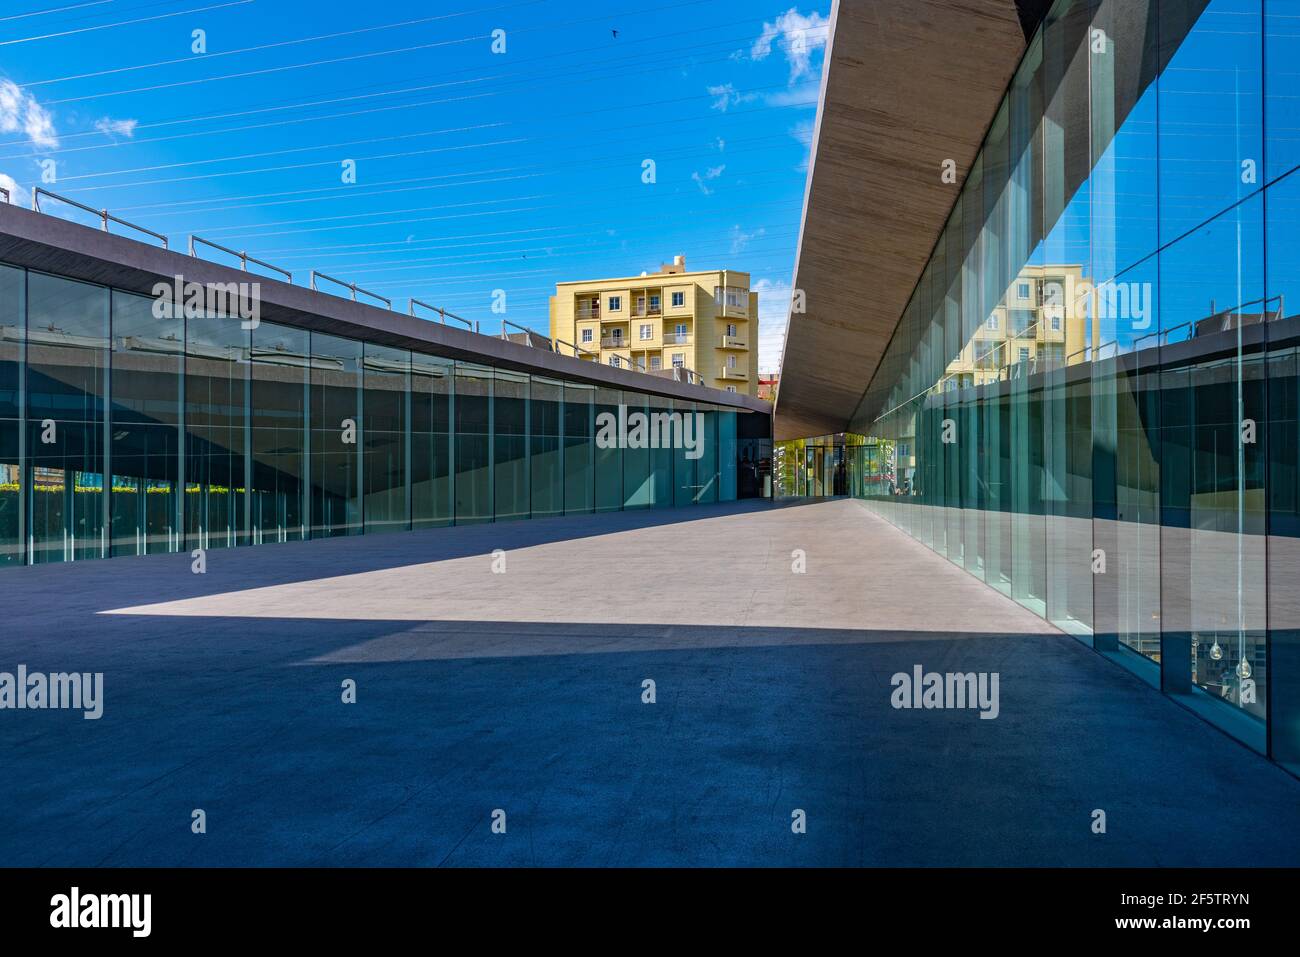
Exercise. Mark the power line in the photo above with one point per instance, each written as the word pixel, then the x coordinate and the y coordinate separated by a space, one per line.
pixel 346 59
pixel 41 13
pixel 293 106
pixel 278 44
pixel 526 79
pixel 125 23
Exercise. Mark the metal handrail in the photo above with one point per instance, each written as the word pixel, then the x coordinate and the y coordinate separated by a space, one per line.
pixel 105 217
pixel 527 332
pixel 6 192
pixel 348 285
pixel 442 314
pixel 244 258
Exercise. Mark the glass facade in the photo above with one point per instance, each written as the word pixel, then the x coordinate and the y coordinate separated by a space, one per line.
pixel 1092 402
pixel 122 433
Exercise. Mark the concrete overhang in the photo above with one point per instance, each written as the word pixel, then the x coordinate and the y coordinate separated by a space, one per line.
pixel 51 244
pixel 905 86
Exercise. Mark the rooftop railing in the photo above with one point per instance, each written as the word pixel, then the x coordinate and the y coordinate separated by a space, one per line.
pixel 243 257
pixel 105 217
pixel 350 286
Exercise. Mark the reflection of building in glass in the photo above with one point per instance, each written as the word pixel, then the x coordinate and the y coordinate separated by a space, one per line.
pixel 1040 323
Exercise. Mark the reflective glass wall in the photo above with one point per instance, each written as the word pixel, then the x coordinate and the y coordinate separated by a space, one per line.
pixel 1091 401
pixel 126 433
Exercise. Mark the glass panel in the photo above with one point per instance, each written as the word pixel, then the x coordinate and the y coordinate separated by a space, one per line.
pixel 217 394
pixel 336 426
pixel 431 476
pixel 609 453
pixel 279 374
pixel 637 489
pixel 661 454
pixel 545 411
pixel 579 434
pixel 13 543
pixel 684 466
pixel 147 364
pixel 510 431
pixel 473 438
pixel 387 440
pixel 706 448
pixel 67 355
pixel 1210 111
pixel 728 456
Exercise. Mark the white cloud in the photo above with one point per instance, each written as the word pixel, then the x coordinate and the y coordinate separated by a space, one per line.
pixel 111 127
pixel 20 113
pixel 773 315
pixel 726 97
pixel 713 172
pixel 722 144
pixel 16 192
pixel 740 239
pixel 797 36
pixel 803 132
pixel 805 95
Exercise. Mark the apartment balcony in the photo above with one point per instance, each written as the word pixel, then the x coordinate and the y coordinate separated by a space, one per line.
pixel 730 374
pixel 644 312
pixel 677 338
pixel 614 342
pixel 587 312
pixel 734 342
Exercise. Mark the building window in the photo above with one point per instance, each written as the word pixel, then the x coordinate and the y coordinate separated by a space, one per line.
pixel 679 360
pixel 731 388
pixel 679 299
pixel 616 334
pixel 656 363
pixel 1056 323
pixel 731 328
pixel 1022 290
pixel 1024 353
pixel 680 329
pixel 991 322
pixel 586 335
pixel 616 362
pixel 615 303
pixel 734 296
pixel 647 330
pixel 654 303
pixel 731 362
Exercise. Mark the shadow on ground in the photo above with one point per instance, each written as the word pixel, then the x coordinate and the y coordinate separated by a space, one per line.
pixel 247 723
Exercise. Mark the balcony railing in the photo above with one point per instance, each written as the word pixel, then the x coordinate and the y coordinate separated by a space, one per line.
pixel 641 312
pixel 587 312
pixel 727 372
pixel 677 338
pixel 613 342
pixel 733 342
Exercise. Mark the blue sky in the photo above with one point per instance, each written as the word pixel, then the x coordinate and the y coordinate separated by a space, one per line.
pixel 475 170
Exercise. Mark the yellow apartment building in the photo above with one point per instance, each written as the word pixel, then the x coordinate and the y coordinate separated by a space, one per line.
pixel 698 325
